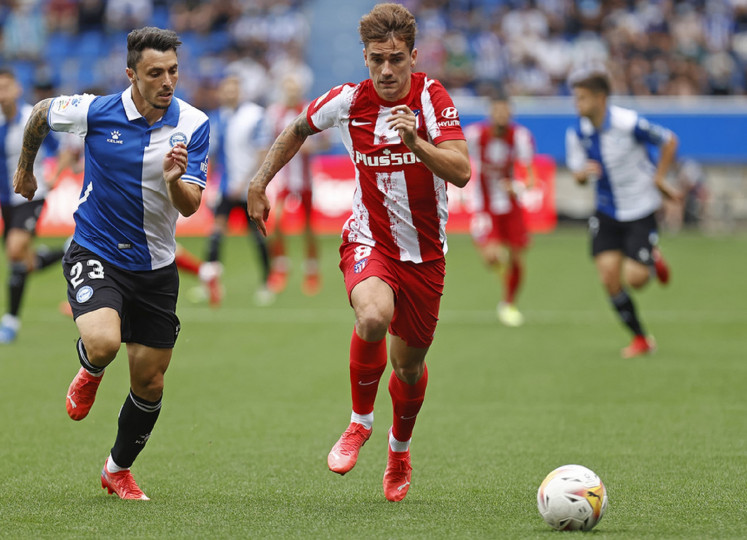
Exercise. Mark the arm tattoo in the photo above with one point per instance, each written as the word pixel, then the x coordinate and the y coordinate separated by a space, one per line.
pixel 284 148
pixel 33 134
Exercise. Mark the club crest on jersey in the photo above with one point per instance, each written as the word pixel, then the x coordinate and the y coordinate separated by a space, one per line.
pixel 84 294
pixel 115 138
pixel 360 265
pixel 177 138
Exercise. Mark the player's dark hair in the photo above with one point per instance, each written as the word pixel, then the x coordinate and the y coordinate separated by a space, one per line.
pixel 149 37
pixel 386 22
pixel 7 72
pixel 597 82
pixel 496 93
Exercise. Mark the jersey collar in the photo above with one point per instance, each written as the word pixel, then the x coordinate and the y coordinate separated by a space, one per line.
pixel 170 118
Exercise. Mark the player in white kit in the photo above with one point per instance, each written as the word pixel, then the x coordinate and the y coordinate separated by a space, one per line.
pixel 611 146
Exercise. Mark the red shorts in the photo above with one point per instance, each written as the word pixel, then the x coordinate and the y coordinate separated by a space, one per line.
pixel 292 199
pixel 417 289
pixel 509 228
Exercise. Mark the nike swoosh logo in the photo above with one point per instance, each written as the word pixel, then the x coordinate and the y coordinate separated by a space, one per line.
pixel 403 486
pixel 409 417
pixel 361 383
pixel 70 397
pixel 360 123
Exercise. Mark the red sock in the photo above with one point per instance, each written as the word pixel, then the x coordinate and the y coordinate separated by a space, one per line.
pixel 406 402
pixel 367 364
pixel 513 280
pixel 187 261
pixel 277 248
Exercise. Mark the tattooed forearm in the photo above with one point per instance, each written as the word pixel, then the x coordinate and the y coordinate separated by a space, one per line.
pixel 283 149
pixel 33 134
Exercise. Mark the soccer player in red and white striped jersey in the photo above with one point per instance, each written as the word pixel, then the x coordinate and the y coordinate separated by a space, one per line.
pixel 295 183
pixel 498 221
pixel 404 136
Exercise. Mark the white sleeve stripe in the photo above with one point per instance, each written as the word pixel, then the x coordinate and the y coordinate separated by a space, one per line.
pixel 193 180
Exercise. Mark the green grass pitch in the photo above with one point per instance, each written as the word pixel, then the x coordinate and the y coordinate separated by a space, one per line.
pixel 255 398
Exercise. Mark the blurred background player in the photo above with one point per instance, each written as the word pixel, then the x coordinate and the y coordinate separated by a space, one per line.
pixel 404 136
pixel 20 216
pixel 498 223
pixel 240 139
pixel 610 146
pixel 295 187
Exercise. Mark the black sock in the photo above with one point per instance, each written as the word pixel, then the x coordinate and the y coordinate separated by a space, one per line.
pixel 46 256
pixel 136 420
pixel 16 285
pixel 214 243
pixel 264 253
pixel 83 357
pixel 625 308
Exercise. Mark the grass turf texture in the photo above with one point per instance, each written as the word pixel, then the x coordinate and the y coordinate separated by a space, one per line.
pixel 255 398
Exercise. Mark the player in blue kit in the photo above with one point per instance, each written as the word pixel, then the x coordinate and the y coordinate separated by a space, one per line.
pixel 19 216
pixel 146 163
pixel 611 146
pixel 240 138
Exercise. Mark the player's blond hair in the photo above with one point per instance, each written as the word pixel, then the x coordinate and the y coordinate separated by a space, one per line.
pixel 386 22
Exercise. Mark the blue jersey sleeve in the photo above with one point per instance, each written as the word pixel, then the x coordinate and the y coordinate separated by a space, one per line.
pixel 646 132
pixel 198 156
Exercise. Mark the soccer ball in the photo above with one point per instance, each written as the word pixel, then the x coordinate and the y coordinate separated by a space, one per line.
pixel 572 498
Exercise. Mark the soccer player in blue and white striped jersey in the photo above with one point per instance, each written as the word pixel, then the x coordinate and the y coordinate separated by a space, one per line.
pixel 611 146
pixel 145 164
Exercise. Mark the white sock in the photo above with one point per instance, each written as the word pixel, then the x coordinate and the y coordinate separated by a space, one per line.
pixel 366 420
pixel 398 446
pixel 99 374
pixel 113 467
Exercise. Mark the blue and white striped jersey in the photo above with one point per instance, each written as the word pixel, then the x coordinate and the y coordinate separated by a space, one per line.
pixel 625 190
pixel 238 138
pixel 124 213
pixel 11 143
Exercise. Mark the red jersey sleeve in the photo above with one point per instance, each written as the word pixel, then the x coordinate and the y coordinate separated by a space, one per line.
pixel 440 115
pixel 324 112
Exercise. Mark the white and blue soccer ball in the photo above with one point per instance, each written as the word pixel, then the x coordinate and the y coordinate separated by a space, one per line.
pixel 572 498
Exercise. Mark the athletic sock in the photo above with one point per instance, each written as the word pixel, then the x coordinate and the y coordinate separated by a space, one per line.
pixel 406 402
pixel 112 467
pixel 398 446
pixel 136 420
pixel 186 261
pixel 366 420
pixel 262 251
pixel 214 242
pixel 45 256
pixel 96 371
pixel 367 365
pixel 16 285
pixel 311 267
pixel 513 281
pixel 277 248
pixel 626 310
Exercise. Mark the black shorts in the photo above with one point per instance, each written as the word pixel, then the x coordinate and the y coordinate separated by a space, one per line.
pixel 145 301
pixel 225 206
pixel 635 239
pixel 23 216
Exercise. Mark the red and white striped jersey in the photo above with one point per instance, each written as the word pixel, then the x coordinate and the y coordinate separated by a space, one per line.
pixel 495 162
pixel 399 205
pixel 295 176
